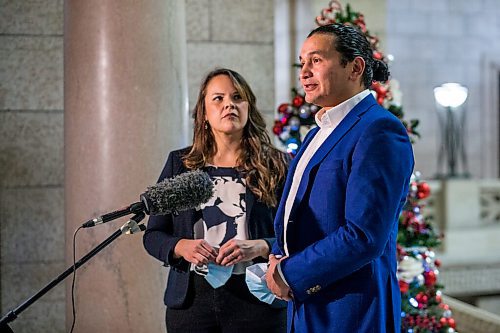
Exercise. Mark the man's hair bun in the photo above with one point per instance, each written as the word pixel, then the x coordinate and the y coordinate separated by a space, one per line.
pixel 380 71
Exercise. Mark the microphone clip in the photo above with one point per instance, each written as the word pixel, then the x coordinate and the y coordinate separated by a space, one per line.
pixel 132 226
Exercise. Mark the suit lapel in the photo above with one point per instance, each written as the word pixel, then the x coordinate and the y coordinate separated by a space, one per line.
pixel 338 133
pixel 293 164
pixel 288 183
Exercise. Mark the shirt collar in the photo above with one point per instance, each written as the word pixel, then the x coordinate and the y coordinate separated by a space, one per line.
pixel 332 117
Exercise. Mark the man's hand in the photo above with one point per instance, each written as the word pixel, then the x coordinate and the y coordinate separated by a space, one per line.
pixel 275 282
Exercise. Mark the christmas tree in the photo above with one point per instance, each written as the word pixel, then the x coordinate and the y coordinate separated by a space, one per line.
pixel 422 309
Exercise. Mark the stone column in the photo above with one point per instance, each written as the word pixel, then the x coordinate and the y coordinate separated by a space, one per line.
pixel 125 101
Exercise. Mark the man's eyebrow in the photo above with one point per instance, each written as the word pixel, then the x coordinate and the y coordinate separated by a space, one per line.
pixel 319 52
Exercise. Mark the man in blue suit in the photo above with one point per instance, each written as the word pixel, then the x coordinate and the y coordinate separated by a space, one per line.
pixel 336 225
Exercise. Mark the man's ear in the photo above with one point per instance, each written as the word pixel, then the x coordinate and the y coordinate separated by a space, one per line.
pixel 358 68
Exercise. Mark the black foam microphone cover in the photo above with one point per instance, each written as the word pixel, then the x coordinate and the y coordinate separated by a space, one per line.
pixel 184 191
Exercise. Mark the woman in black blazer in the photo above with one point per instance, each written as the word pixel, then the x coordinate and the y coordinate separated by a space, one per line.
pixel 231 231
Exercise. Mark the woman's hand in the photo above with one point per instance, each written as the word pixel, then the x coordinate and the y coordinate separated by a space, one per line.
pixel 196 251
pixel 235 251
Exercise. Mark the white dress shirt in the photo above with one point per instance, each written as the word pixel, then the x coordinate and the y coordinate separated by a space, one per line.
pixel 327 121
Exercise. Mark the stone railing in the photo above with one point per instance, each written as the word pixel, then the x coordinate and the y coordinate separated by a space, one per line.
pixel 467 212
pixel 471 279
pixel 471 319
pixel 490 202
pixel 464 202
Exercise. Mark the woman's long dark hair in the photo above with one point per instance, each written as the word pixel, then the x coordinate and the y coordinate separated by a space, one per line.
pixel 263 165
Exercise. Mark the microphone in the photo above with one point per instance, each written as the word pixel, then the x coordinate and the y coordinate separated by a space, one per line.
pixel 171 195
pixel 185 191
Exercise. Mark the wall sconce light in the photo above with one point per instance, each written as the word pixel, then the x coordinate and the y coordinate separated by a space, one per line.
pixel 451 97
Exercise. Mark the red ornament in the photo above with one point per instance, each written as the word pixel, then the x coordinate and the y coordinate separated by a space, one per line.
pixel 430 278
pixel 422 298
pixel 283 108
pixel 437 262
pixel 298 101
pixel 284 119
pixel 361 26
pixel 444 306
pixel 277 128
pixel 404 287
pixel 423 190
pixel 382 90
pixel 452 323
pixel 377 55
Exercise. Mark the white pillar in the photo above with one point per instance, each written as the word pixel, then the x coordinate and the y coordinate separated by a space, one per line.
pixel 125 101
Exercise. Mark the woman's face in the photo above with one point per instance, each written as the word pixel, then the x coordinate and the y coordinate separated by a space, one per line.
pixel 225 109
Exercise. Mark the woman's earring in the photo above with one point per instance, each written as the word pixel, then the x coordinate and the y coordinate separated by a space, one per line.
pixel 206 125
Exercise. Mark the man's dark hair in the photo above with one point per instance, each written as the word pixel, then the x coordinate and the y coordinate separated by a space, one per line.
pixel 351 43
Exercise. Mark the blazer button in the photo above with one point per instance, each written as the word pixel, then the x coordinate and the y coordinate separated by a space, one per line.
pixel 313 290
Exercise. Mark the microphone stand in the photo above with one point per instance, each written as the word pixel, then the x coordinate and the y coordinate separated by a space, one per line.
pixel 130 227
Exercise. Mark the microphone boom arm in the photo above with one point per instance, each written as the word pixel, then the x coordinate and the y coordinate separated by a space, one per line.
pixel 130 227
pixel 134 208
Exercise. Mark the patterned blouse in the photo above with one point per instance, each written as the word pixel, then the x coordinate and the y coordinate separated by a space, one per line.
pixel 223 217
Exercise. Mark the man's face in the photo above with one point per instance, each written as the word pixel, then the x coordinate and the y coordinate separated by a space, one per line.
pixel 324 79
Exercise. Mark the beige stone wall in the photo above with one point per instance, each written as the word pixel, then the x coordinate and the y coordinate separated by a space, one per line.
pixel 237 34
pixel 31 160
pixel 234 34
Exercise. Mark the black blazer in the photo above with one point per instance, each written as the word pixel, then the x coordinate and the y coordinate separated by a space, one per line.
pixel 164 231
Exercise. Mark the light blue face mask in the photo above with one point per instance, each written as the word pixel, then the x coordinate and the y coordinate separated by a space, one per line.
pixel 256 282
pixel 255 278
pixel 218 275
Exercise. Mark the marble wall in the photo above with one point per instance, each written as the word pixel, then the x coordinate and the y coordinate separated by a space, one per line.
pixel 234 34
pixel 31 160
pixel 434 42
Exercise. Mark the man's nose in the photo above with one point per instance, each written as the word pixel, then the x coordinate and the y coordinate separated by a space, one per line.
pixel 304 72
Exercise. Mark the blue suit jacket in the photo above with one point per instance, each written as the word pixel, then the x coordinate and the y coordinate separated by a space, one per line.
pixel 342 229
